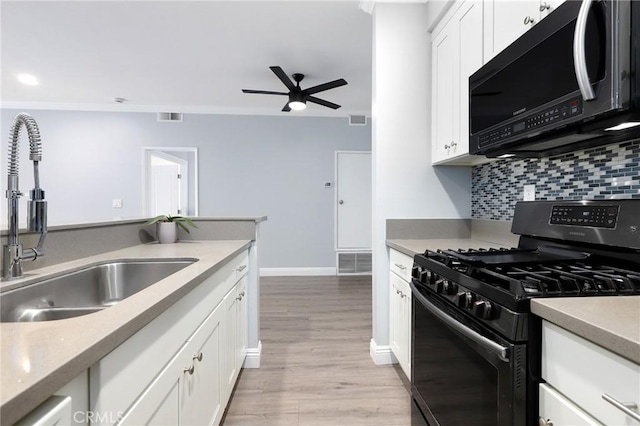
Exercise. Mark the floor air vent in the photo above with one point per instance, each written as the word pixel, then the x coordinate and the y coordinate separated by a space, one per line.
pixel 354 263
pixel 170 116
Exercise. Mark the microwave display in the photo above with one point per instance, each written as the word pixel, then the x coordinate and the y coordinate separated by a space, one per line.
pixel 562 111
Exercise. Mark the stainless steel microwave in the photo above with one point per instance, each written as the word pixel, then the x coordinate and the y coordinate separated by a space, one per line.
pixel 569 83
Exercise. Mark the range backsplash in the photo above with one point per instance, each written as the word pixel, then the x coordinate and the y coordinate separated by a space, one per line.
pixel 611 171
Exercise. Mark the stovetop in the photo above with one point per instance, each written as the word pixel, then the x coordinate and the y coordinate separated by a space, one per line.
pixel 498 292
pixel 545 271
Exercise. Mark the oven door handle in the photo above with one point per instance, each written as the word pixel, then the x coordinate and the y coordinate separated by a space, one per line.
pixel 490 345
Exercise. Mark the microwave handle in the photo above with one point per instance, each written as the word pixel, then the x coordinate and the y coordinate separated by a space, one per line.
pixel 490 345
pixel 579 52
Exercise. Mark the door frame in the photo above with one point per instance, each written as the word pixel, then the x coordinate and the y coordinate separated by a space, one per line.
pixel 335 206
pixel 192 190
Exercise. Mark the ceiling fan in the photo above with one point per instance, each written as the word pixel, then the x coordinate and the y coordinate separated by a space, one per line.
pixel 299 97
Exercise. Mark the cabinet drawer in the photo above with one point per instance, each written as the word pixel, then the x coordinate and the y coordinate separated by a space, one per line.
pixel 401 264
pixel 240 265
pixel 584 371
pixel 559 411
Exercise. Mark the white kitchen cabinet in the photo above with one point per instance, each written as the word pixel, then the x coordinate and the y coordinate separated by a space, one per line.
pixel 235 308
pixel 583 372
pixel 172 371
pixel 457 52
pixel 506 20
pixel 189 389
pixel 242 340
pixel 400 309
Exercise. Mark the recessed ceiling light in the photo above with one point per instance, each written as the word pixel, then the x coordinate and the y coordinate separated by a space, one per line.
pixel 623 126
pixel 27 79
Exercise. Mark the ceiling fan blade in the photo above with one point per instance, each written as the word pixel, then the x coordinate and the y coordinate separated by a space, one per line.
pixel 263 92
pixel 325 86
pixel 283 77
pixel 286 107
pixel 322 102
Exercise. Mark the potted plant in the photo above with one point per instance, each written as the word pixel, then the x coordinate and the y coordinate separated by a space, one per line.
pixel 167 227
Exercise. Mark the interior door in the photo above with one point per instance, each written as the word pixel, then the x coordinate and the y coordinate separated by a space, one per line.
pixel 168 192
pixel 353 200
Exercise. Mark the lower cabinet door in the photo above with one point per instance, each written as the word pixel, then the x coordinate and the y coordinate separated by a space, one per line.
pixel 188 391
pixel 242 332
pixel 400 322
pixel 201 389
pixel 229 371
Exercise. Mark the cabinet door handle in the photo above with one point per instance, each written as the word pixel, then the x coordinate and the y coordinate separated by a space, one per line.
pixel 529 20
pixel 241 268
pixel 629 408
pixel 453 144
pixel 544 6
pixel 543 422
pixel 239 298
pixel 397 291
pixel 189 370
pixel 447 146
pixel 198 357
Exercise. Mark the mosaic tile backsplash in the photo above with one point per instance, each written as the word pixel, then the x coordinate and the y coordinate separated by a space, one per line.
pixel 606 172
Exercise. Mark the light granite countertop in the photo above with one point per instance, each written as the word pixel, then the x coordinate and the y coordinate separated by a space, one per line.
pixel 37 359
pixel 412 247
pixel 612 322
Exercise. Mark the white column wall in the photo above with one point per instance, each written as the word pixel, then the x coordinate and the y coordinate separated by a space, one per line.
pixel 405 185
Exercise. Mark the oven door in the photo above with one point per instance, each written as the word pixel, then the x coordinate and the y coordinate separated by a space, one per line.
pixel 462 373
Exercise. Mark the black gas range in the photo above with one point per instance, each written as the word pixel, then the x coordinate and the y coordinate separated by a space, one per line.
pixel 476 346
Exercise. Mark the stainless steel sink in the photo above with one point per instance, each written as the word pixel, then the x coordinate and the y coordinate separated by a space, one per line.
pixel 85 291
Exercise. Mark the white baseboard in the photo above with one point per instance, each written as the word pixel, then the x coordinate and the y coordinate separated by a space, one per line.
pixel 253 357
pixel 296 272
pixel 381 355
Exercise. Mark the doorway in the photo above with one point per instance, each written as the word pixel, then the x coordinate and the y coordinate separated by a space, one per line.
pixel 170 181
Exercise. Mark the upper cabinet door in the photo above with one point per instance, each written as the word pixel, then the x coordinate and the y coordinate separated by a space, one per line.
pixel 457 52
pixel 510 19
pixel 548 6
pixel 444 53
pixel 469 24
pixel 506 20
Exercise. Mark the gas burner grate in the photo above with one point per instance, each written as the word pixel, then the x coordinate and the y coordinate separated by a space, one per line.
pixel 578 276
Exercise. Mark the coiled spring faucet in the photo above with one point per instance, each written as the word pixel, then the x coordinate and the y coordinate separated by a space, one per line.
pixel 12 252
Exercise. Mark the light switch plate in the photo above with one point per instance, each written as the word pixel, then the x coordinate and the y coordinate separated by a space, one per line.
pixel 529 193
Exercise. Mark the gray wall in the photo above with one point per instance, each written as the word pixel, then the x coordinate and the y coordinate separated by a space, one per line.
pixel 248 166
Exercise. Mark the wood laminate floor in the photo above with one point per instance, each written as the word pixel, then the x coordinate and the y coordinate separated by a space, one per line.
pixel 315 366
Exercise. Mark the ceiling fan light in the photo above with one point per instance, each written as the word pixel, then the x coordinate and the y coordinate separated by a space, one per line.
pixel 297 105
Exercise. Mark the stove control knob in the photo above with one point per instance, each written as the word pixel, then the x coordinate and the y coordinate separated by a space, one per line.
pixel 450 287
pixel 415 272
pixel 482 309
pixel 465 299
pixel 433 277
pixel 440 285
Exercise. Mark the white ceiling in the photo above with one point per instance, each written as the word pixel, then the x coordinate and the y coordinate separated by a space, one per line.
pixel 183 56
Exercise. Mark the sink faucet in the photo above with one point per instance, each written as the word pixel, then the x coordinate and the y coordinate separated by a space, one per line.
pixel 12 252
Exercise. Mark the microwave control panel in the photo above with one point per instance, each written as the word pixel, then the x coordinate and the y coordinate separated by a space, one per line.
pixel 559 112
pixel 595 216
